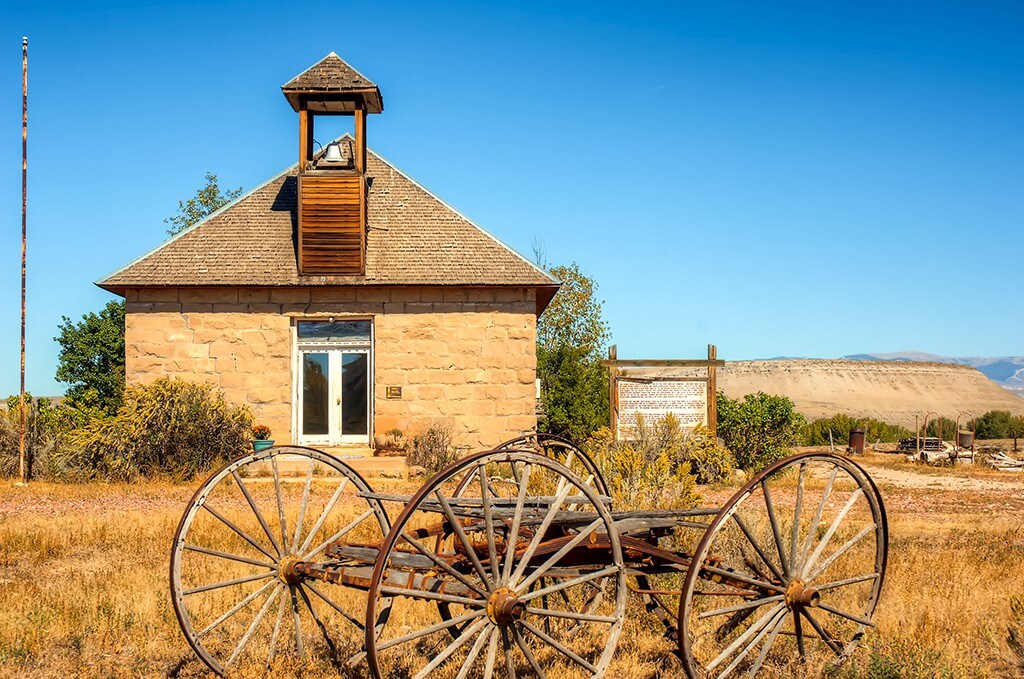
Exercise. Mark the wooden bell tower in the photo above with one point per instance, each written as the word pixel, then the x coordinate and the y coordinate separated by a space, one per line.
pixel 332 183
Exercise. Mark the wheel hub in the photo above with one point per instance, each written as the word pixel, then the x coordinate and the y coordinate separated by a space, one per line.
pixel 798 594
pixel 287 572
pixel 504 607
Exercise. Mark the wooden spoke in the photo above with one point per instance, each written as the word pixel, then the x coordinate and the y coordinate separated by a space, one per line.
pixel 741 607
pixel 832 529
pixel 492 652
pixel 445 566
pixel 234 609
pixel 492 552
pixel 757 546
pixel 806 548
pixel 822 634
pixel 280 502
pixel 323 516
pixel 340 534
pixel 864 532
pixel 255 510
pixel 798 630
pixel 461 534
pixel 773 520
pixel 345 614
pixel 589 577
pixel 229 583
pixel 753 582
pixel 843 614
pixel 848 581
pixel 554 643
pixel 797 512
pixel 297 622
pixel 510 663
pixel 225 555
pixel 525 648
pixel 557 556
pixel 776 628
pixel 539 534
pixel 452 647
pixel 302 508
pixel 241 533
pixel 772 625
pixel 391 590
pixel 474 652
pixel 572 615
pixel 277 625
pixel 318 621
pixel 760 624
pixel 510 548
pixel 252 627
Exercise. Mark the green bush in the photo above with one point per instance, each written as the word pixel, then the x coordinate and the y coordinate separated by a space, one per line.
pixel 47 427
pixel 710 461
pixel 816 433
pixel 759 429
pixel 167 428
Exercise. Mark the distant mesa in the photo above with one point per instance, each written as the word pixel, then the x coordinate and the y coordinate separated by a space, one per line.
pixel 890 387
pixel 1006 371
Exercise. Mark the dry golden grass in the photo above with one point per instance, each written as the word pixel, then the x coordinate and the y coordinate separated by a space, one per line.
pixel 83 585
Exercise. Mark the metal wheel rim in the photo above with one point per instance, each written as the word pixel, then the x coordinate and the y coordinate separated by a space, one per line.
pixel 195 504
pixel 876 504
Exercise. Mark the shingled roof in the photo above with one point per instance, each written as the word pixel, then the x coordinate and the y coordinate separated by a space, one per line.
pixel 332 75
pixel 413 238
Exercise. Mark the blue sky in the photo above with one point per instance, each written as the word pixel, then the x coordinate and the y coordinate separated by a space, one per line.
pixel 800 179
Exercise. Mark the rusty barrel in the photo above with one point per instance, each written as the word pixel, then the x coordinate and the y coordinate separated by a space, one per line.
pixel 965 439
pixel 858 437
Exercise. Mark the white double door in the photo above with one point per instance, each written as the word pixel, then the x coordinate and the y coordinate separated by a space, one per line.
pixel 334 395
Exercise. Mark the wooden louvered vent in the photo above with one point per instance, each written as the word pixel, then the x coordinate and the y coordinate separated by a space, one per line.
pixel 332 224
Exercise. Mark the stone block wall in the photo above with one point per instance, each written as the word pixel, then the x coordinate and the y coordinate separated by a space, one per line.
pixel 464 357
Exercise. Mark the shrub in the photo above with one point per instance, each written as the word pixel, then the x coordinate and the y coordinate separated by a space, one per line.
pixel 46 430
pixel 169 427
pixel 642 475
pixel 816 433
pixel 759 428
pixel 710 461
pixel 432 449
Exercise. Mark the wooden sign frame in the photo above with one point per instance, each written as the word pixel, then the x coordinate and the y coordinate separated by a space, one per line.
pixel 619 369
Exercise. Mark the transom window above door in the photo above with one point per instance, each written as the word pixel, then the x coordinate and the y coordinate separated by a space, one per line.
pixel 334 332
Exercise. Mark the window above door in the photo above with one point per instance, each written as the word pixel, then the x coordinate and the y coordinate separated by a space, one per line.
pixel 334 332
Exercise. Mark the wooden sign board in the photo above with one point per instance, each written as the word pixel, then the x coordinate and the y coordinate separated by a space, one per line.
pixel 655 388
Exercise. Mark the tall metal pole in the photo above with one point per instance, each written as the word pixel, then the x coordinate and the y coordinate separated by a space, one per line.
pixel 24 240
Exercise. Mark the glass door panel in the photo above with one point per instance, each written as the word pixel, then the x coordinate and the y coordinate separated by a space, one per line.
pixel 354 392
pixel 316 394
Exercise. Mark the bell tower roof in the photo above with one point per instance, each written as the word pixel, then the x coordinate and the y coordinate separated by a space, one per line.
pixel 332 86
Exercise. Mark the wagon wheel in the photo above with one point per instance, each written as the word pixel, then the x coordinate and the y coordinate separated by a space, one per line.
pixel 789 573
pixel 563 450
pixel 522 518
pixel 234 587
pixel 557 448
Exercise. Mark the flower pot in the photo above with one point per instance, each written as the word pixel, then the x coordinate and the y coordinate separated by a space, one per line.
pixel 257 446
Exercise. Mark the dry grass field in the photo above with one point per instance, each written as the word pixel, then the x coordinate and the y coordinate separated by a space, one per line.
pixel 83 581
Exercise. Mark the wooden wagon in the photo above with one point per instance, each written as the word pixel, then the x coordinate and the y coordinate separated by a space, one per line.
pixel 514 562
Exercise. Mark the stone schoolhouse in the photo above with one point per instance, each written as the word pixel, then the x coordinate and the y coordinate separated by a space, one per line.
pixel 341 299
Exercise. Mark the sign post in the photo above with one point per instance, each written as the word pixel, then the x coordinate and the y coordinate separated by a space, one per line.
pixel 653 388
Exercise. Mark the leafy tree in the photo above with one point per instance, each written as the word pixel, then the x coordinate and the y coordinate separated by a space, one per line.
pixel 759 429
pixel 571 339
pixel 208 200
pixel 995 424
pixel 91 358
pixel 816 433
pixel 573 318
pixel 941 425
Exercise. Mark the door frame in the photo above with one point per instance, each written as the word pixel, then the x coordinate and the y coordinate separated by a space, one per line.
pixel 334 350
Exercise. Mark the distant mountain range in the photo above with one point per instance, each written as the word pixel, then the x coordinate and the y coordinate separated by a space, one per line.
pixel 1006 371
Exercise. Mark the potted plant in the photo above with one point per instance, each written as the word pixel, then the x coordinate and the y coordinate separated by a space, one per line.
pixel 261 437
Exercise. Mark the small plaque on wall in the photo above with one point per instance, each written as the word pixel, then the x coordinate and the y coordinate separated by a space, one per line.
pixel 393 392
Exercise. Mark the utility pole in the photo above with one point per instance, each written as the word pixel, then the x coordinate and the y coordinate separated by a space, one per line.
pixel 25 471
